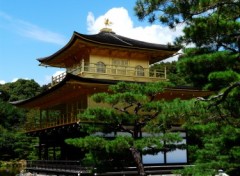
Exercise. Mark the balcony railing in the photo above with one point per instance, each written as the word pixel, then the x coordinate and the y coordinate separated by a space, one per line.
pixel 57 167
pixel 114 72
pixel 71 168
pixel 58 78
pixel 53 121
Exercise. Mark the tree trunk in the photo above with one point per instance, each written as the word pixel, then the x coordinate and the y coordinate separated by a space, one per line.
pixel 138 160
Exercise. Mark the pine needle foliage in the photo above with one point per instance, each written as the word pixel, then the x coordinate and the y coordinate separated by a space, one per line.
pixel 133 119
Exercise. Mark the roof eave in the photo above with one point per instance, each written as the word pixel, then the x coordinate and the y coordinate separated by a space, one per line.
pixel 45 60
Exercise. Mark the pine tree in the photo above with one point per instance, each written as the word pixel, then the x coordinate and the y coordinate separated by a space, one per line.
pixel 212 28
pixel 133 109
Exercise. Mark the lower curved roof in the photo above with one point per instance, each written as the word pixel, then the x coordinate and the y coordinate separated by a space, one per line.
pixel 72 87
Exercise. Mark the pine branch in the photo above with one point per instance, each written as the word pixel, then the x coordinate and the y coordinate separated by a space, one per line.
pixel 124 110
pixel 152 97
pixel 229 48
pixel 225 93
pixel 220 97
pixel 211 7
pixel 122 128
pixel 137 108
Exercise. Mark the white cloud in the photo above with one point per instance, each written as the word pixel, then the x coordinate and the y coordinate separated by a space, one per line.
pixel 48 78
pixel 57 73
pixel 30 30
pixel 91 23
pixel 2 82
pixel 14 79
pixel 5 16
pixel 41 34
pixel 173 58
pixel 123 25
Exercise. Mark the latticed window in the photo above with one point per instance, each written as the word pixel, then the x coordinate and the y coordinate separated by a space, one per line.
pixel 101 67
pixel 139 71
pixel 119 66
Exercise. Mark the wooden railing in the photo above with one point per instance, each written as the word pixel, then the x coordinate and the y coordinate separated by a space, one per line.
pixel 64 167
pixel 57 167
pixel 57 79
pixel 110 71
pixel 51 122
pixel 118 70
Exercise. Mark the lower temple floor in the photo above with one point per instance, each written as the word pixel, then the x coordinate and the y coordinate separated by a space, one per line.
pixel 71 168
pixel 56 157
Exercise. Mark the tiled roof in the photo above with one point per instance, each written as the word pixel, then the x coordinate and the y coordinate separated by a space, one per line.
pixel 111 38
pixel 105 39
pixel 58 90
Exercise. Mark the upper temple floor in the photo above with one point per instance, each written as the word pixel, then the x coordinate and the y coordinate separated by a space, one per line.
pixel 107 55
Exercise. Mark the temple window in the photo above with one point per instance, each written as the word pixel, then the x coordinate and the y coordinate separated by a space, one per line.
pixel 119 66
pixel 101 67
pixel 139 70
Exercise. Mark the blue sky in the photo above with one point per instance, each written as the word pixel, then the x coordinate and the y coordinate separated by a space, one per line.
pixel 31 29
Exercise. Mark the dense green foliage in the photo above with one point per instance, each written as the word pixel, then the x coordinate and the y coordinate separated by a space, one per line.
pixel 212 28
pixel 214 137
pixel 14 144
pixel 207 70
pixel 21 89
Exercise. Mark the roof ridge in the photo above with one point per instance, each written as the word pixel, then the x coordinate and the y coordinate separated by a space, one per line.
pixel 120 39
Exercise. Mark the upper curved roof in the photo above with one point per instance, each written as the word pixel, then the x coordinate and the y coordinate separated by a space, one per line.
pixel 111 39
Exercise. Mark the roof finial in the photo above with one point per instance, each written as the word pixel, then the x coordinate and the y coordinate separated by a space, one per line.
pixel 107 23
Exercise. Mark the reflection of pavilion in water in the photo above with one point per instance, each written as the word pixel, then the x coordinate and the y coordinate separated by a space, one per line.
pixel 168 157
pixel 93 62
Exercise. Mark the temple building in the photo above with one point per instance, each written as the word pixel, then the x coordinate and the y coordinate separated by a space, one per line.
pixel 92 63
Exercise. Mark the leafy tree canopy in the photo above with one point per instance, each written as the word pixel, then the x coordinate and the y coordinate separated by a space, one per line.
pixel 21 89
pixel 14 144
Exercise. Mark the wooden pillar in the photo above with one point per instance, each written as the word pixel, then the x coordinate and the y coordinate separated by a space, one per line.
pixel 165 72
pixel 54 152
pixel 47 118
pixel 40 149
pixel 40 120
pixel 63 152
pixel 82 69
pixel 46 151
pixel 67 113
